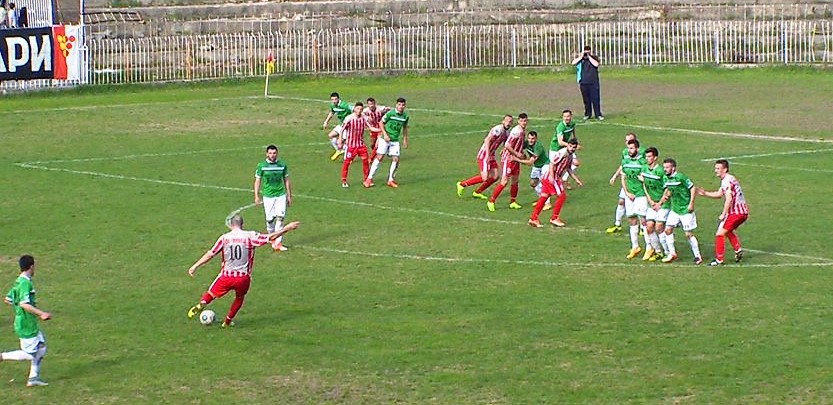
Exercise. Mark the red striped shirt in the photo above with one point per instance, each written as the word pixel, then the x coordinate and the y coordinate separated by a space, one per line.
pixel 238 251
pixel 563 160
pixel 374 117
pixel 730 186
pixel 353 127
pixel 497 136
pixel 514 141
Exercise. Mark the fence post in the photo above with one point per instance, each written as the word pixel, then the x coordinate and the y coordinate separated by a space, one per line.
pixel 650 45
pixel 716 45
pixel 447 47
pixel 514 48
pixel 784 41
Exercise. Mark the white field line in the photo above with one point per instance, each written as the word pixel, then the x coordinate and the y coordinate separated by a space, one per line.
pixel 536 262
pixel 209 151
pixel 720 133
pixel 757 155
pixel 123 105
pixel 783 167
pixel 821 259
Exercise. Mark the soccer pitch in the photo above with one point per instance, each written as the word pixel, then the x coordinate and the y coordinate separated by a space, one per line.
pixel 413 295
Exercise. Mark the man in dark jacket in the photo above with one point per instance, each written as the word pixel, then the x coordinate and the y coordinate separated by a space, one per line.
pixel 587 76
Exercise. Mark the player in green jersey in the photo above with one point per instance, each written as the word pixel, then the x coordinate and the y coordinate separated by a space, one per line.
pixel 340 109
pixel 653 184
pixel 394 131
pixel 26 315
pixel 564 131
pixel 620 204
pixel 537 157
pixel 680 191
pixel 272 180
pixel 636 204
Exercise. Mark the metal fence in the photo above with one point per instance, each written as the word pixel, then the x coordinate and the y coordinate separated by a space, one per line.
pixel 459 47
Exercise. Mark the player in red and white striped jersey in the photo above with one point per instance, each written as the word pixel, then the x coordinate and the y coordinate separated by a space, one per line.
pixel 509 168
pixel 486 160
pixel 374 113
pixel 552 184
pixel 237 249
pixel 353 138
pixel 735 211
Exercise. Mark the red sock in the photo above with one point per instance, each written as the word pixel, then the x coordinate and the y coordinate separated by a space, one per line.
pixel 556 208
pixel 235 306
pixel 733 240
pixel 344 167
pixel 365 168
pixel 206 298
pixel 718 248
pixel 471 181
pixel 495 194
pixel 513 192
pixel 539 206
pixel 485 185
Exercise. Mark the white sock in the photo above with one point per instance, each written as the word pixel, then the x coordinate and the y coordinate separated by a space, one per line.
pixel 664 242
pixel 549 201
pixel 18 355
pixel 647 237
pixel 669 242
pixel 392 169
pixel 655 242
pixel 620 212
pixel 373 167
pixel 634 236
pixel 695 246
pixel 34 369
pixel 278 227
pixel 270 225
pixel 538 189
pixel 334 142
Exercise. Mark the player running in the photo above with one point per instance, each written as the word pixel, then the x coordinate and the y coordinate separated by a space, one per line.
pixel 340 109
pixel 551 184
pixel 352 142
pixel 486 160
pixel 238 253
pixel 735 211
pixel 636 204
pixel 374 113
pixel 394 127
pixel 680 191
pixel 510 169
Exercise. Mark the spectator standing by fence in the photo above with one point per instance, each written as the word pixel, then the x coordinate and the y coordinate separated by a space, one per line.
pixel 4 23
pixel 587 76
pixel 11 16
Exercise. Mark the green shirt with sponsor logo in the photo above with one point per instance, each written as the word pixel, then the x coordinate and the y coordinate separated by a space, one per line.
pixel 681 188
pixel 563 131
pixel 655 182
pixel 394 122
pixel 537 149
pixel 631 168
pixel 25 324
pixel 341 110
pixel 272 175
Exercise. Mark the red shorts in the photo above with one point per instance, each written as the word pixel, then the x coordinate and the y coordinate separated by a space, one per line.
pixel 510 168
pixel 549 187
pixel 353 152
pixel 733 221
pixel 224 284
pixel 486 165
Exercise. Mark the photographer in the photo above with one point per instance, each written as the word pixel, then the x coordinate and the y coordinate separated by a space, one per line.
pixel 587 76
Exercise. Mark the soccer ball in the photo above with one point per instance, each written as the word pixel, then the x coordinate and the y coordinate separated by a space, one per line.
pixel 207 317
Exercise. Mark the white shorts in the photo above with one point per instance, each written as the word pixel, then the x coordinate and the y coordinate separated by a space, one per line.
pixel 274 207
pixel 688 220
pixel 386 148
pixel 339 130
pixel 659 215
pixel 31 345
pixel 636 207
pixel 537 172
pixel 622 195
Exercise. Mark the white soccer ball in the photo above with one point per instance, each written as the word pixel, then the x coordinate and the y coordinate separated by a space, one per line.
pixel 207 317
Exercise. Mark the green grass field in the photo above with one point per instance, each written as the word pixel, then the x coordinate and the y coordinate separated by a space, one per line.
pixel 414 295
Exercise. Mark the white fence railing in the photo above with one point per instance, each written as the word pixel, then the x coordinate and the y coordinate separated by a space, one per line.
pixel 459 47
